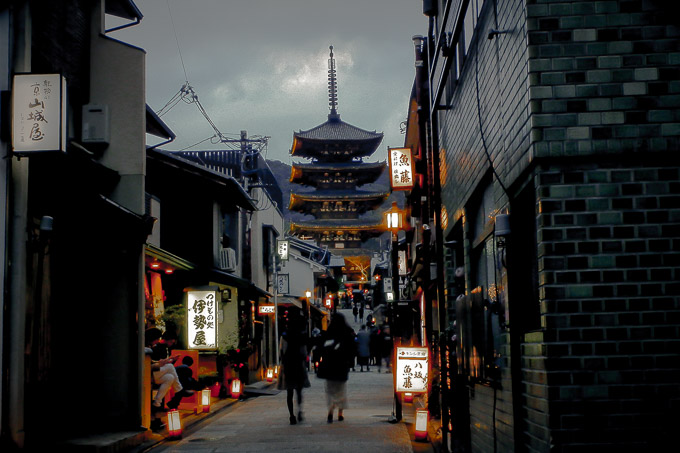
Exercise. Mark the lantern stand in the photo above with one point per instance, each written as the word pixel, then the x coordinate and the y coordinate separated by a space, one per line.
pixel 393 220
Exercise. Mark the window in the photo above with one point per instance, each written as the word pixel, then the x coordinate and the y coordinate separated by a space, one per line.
pixel 478 325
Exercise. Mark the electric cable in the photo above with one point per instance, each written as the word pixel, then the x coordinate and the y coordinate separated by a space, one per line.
pixel 196 144
pixel 186 78
pixel 479 118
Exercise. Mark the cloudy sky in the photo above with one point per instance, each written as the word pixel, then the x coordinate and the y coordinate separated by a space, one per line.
pixel 261 65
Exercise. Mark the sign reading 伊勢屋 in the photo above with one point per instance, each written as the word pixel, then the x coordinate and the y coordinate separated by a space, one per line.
pixel 412 370
pixel 38 113
pixel 401 168
pixel 202 319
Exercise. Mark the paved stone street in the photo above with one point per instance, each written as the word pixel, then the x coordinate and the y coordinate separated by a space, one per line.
pixel 261 423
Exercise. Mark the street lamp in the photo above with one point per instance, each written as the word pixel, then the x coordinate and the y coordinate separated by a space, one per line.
pixel 393 220
pixel 308 293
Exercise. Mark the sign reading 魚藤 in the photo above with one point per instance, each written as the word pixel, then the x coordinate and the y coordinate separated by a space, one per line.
pixel 202 323
pixel 401 168
pixel 412 370
pixel 38 113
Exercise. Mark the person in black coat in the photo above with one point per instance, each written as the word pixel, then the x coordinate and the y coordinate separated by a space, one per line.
pixel 293 353
pixel 335 363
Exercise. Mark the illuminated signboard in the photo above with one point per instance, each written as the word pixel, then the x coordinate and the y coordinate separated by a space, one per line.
pixel 38 113
pixel 282 247
pixel 412 370
pixel 266 309
pixel 401 168
pixel 202 323
pixel 402 262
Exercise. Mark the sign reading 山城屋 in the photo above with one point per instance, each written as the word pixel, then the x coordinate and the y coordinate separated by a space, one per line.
pixel 38 113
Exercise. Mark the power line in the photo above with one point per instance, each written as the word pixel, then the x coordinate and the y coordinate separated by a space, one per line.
pixel 186 78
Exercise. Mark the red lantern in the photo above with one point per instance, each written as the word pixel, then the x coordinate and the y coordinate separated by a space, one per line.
pixel 270 374
pixel 421 424
pixel 205 400
pixel 174 424
pixel 235 388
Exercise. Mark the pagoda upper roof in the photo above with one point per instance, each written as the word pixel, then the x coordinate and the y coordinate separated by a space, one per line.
pixel 365 171
pixel 336 140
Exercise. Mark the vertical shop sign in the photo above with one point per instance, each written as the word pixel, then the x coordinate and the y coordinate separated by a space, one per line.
pixel 402 262
pixel 412 370
pixel 38 113
pixel 282 247
pixel 401 168
pixel 202 322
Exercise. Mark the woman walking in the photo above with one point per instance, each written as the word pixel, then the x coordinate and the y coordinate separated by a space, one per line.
pixel 293 353
pixel 335 364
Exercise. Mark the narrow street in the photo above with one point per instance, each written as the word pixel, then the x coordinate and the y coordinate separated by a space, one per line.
pixel 260 423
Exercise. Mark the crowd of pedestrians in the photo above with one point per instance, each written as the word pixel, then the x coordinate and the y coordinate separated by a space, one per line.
pixel 332 353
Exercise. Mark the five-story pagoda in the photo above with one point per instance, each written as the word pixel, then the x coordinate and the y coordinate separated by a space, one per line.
pixel 336 150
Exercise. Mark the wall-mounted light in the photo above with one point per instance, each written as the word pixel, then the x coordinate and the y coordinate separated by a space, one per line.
pixel 493 33
pixel 502 225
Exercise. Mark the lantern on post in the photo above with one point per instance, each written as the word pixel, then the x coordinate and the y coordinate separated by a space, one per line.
pixel 174 424
pixel 235 388
pixel 205 400
pixel 270 374
pixel 394 218
pixel 421 424
pixel 394 222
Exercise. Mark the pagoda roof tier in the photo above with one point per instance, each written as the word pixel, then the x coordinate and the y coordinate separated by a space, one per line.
pixel 303 202
pixel 338 234
pixel 318 173
pixel 338 225
pixel 335 140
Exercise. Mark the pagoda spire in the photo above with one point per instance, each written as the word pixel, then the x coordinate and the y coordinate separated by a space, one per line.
pixel 332 89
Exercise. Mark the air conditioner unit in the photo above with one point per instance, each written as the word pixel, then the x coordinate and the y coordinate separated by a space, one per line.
pixel 228 259
pixel 95 127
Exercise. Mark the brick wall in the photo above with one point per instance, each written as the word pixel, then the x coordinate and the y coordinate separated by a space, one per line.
pixel 609 267
pixel 604 81
pixel 582 98
pixel 604 77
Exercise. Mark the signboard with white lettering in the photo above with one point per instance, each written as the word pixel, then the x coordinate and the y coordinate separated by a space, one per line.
pixel 282 284
pixel 387 284
pixel 282 248
pixel 202 324
pixel 38 113
pixel 402 262
pixel 401 168
pixel 412 369
pixel 266 309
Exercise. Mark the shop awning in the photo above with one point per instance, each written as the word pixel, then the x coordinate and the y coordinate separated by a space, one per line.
pixel 167 259
pixel 288 300
pixel 246 286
